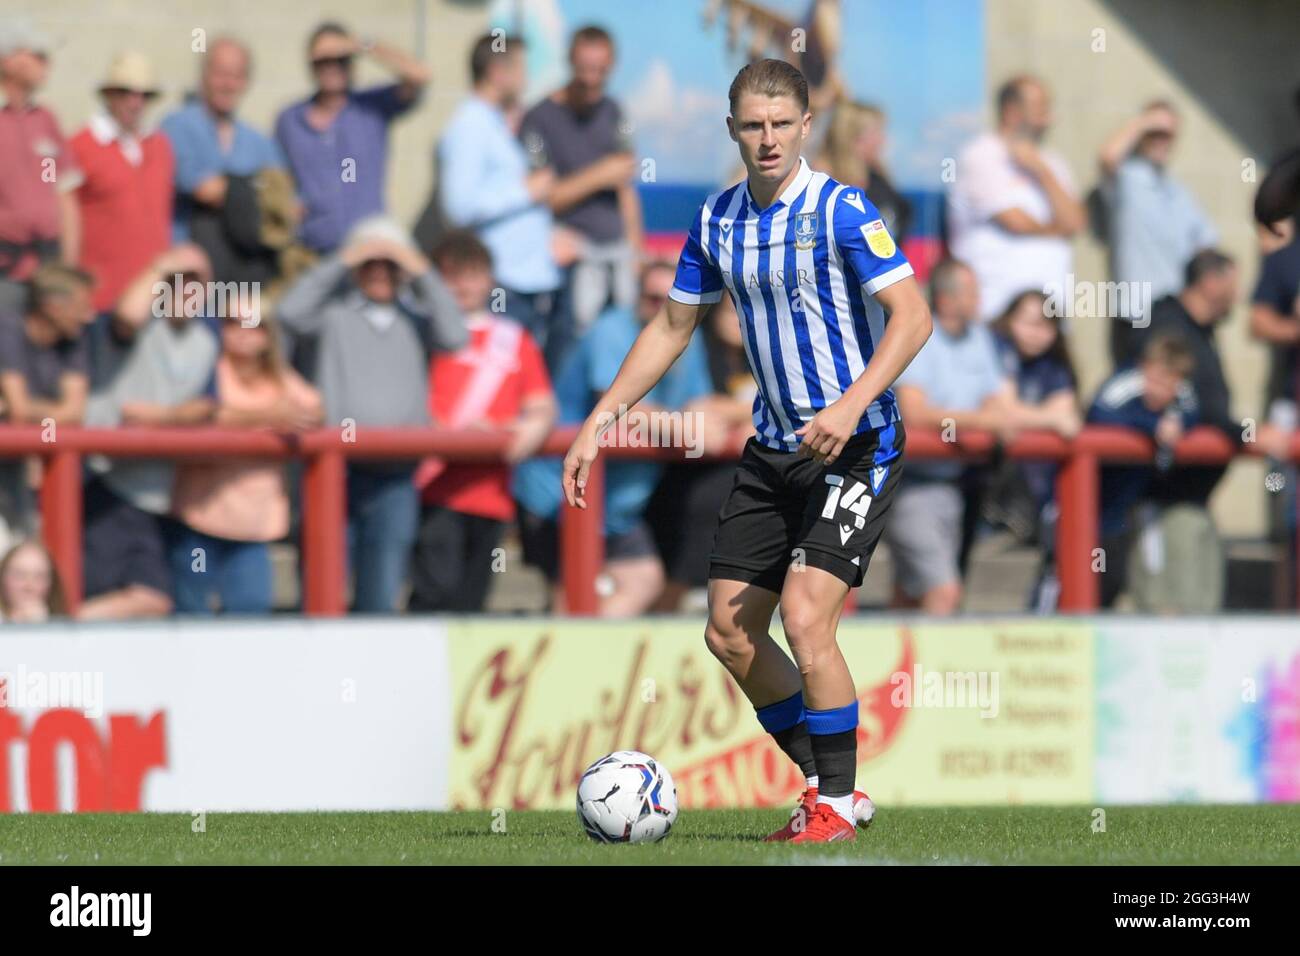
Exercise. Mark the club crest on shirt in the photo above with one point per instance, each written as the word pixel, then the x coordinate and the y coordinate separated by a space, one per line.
pixel 878 239
pixel 805 230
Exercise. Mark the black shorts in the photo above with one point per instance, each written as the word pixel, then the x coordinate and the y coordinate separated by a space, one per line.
pixel 122 545
pixel 785 508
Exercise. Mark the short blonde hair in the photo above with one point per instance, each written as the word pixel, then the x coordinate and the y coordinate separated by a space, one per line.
pixel 769 78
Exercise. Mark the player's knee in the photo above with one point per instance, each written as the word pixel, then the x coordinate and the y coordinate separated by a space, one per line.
pixel 726 640
pixel 808 630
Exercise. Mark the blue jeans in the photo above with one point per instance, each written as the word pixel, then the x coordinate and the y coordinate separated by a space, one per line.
pixel 238 573
pixel 383 516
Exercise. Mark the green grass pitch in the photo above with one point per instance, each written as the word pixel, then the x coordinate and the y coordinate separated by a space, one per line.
pixel 977 835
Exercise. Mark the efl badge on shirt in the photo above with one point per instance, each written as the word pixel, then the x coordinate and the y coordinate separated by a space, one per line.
pixel 879 240
pixel 805 230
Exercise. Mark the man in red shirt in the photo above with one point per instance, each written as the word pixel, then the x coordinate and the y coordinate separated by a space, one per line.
pixel 126 197
pixel 38 215
pixel 498 380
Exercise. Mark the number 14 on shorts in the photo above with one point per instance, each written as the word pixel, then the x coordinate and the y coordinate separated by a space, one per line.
pixel 855 501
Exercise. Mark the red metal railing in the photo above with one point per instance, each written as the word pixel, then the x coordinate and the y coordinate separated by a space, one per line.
pixel 324 500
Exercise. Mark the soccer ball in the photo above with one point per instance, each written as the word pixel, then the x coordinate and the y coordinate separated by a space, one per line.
pixel 627 797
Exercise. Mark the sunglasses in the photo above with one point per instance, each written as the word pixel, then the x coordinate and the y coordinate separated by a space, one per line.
pixel 342 62
pixel 120 91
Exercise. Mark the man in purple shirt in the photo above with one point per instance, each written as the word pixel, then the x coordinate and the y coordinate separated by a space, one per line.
pixel 336 140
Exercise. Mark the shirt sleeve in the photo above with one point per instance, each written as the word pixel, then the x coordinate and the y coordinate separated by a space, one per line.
pixel 194 164
pixel 387 101
pixel 463 170
pixel 1119 402
pixel 1272 288
pixel 865 243
pixel 698 280
pixel 11 336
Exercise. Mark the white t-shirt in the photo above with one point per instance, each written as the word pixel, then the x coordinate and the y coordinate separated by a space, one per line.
pixel 988 183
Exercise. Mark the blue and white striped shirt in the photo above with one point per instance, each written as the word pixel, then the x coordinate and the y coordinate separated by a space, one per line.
pixel 802 273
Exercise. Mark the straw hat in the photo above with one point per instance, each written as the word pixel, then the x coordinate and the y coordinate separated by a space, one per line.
pixel 130 71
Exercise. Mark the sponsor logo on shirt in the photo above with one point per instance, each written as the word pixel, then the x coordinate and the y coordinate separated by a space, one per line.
pixel 878 239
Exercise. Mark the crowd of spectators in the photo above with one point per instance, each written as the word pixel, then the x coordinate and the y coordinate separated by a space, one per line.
pixel 513 309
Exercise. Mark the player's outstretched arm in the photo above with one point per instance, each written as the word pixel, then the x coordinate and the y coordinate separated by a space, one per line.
pixel 906 331
pixel 663 339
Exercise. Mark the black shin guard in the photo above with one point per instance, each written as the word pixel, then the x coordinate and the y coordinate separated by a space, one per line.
pixel 836 756
pixel 797 745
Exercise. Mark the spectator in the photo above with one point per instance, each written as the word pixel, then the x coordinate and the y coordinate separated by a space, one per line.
pixel 1277 201
pixel 43 362
pixel 379 311
pixel 336 140
pixel 579 131
pixel 212 146
pixel 1181 496
pixel 39 218
pixel 43 377
pixel 854 155
pixel 152 365
pixel 30 592
pixel 683 513
pixel 1154 397
pixel 1036 357
pixel 126 196
pixel 1275 319
pixel 228 510
pixel 486 185
pixel 954 383
pixel 1013 208
pixel 633 572
pixel 499 379
pixel 1156 225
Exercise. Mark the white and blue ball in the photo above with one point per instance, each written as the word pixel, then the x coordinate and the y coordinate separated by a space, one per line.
pixel 627 797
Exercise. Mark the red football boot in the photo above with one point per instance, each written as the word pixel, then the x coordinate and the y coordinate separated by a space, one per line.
pixel 863 811
pixel 825 826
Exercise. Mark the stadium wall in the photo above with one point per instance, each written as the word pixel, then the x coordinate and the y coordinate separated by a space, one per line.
pixel 433 713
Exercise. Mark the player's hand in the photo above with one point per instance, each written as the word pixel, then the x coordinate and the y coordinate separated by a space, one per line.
pixel 577 465
pixel 826 435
